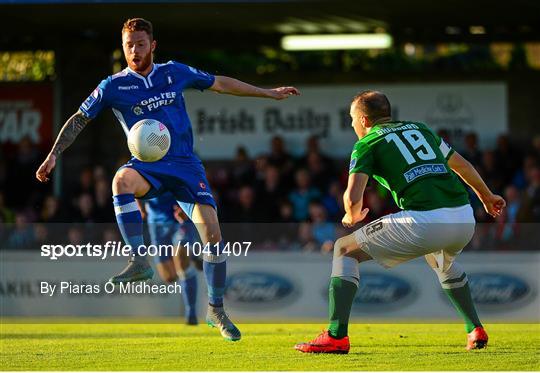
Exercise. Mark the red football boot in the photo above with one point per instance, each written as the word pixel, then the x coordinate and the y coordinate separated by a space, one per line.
pixel 325 344
pixel 477 339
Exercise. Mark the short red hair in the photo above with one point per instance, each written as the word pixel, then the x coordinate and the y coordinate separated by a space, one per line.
pixel 138 24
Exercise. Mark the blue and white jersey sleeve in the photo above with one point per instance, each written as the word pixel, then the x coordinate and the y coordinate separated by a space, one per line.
pixel 97 101
pixel 193 77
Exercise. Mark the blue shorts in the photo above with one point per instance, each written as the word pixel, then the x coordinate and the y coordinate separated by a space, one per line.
pixel 170 233
pixel 163 234
pixel 184 178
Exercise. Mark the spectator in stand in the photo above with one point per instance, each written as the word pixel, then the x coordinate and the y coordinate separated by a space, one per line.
pixel 22 235
pixel 532 194
pixel 333 201
pixel 75 235
pixel 6 214
pixel 50 212
pixel 320 173
pixel 491 173
pixel 286 212
pixel 21 188
pixel 270 192
pixel 280 158
pixel 508 224
pixel 523 176
pixel 84 211
pixel 507 159
pixel 110 234
pixel 471 151
pixel 245 209
pixel 302 195
pixel 323 232
pixel 242 169
pixel 104 212
pixel 85 184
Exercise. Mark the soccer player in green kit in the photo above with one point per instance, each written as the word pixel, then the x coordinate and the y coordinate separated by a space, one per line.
pixel 436 220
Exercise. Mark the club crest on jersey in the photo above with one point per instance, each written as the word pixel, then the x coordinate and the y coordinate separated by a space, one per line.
pixel 137 110
pixel 202 185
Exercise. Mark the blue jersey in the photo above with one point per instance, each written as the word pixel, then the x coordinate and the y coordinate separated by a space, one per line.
pixel 159 96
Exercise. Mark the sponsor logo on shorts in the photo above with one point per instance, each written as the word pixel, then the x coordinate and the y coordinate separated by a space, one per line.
pixel 258 288
pixel 373 227
pixel 424 169
pixel 202 194
pixel 497 289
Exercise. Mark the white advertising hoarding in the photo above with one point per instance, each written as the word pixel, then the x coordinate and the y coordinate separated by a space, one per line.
pixel 221 123
pixel 283 287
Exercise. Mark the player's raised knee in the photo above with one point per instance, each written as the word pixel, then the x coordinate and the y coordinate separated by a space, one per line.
pixel 126 180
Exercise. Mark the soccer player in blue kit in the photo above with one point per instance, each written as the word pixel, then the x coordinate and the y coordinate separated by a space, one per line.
pixel 146 90
pixel 169 225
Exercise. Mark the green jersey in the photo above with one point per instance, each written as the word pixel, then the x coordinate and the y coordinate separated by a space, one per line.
pixel 409 160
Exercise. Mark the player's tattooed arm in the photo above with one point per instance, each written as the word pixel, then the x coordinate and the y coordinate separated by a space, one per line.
pixel 224 84
pixel 67 135
pixel 71 129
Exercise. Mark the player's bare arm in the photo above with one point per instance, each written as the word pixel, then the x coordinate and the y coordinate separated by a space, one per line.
pixel 493 204
pixel 352 200
pixel 224 84
pixel 71 129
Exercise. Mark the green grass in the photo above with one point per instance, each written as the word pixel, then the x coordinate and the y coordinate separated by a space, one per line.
pixel 144 347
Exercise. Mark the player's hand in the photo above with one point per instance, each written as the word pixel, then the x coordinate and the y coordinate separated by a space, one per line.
pixel 283 92
pixel 42 174
pixel 349 221
pixel 494 204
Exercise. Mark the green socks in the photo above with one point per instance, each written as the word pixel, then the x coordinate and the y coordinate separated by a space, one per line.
pixel 341 295
pixel 462 301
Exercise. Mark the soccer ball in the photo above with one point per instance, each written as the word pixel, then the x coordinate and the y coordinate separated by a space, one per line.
pixel 149 140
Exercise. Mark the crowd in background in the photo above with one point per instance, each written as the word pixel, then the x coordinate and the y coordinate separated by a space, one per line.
pixel 280 201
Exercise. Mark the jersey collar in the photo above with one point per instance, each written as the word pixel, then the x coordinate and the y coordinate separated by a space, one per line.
pixel 146 80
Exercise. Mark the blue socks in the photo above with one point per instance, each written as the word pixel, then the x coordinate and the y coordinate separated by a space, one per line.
pixel 129 221
pixel 188 281
pixel 215 271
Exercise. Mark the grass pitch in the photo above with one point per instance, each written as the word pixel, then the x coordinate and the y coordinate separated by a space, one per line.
pixel 142 347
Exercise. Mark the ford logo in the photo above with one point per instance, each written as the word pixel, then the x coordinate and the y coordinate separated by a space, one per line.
pixel 257 287
pixel 495 289
pixel 378 288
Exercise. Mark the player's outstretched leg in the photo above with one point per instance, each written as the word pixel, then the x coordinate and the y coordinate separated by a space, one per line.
pixel 343 286
pixel 188 282
pixel 215 270
pixel 456 286
pixel 130 223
